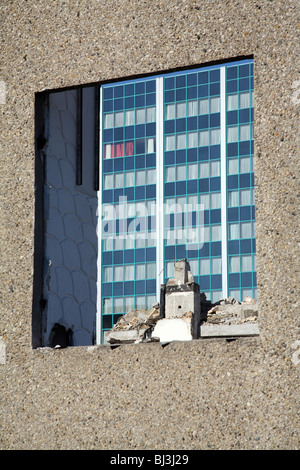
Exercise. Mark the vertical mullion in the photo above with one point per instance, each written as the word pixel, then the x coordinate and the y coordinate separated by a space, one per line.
pixel 223 183
pixel 159 184
pixel 99 226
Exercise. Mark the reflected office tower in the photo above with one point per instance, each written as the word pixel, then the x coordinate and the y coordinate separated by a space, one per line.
pixel 176 181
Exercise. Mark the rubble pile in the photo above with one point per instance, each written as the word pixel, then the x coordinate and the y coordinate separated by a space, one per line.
pixel 231 318
pixel 230 311
pixel 184 314
pixel 134 327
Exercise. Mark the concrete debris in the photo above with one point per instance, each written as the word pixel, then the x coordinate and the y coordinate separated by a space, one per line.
pixel 133 327
pixel 182 297
pixel 174 329
pixel 177 317
pixel 231 318
pixel 229 330
pixel 232 311
pixel 184 314
pixel 182 273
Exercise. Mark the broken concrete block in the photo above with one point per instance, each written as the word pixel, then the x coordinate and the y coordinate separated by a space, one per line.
pixel 180 301
pixel 180 313
pixel 181 269
pixel 234 310
pixel 173 329
pixel 182 273
pixel 230 310
pixel 122 336
pixel 215 309
pixel 217 330
pixel 133 315
pixel 183 300
pixel 249 310
pixel 182 296
pixel 134 326
pixel 250 307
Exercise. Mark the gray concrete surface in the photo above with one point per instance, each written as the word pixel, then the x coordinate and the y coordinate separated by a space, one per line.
pixel 202 394
pixel 246 329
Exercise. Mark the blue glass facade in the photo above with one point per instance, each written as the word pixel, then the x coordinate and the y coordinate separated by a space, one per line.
pixel 177 148
pixel 240 180
pixel 192 161
pixel 128 278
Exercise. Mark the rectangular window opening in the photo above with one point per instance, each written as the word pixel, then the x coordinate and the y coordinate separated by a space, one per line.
pixel 176 170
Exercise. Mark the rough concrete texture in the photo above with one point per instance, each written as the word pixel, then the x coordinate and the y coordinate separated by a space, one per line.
pixel 229 330
pixel 133 327
pixel 232 311
pixel 200 394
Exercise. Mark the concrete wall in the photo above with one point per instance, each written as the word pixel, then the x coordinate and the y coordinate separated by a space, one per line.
pixel 202 394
